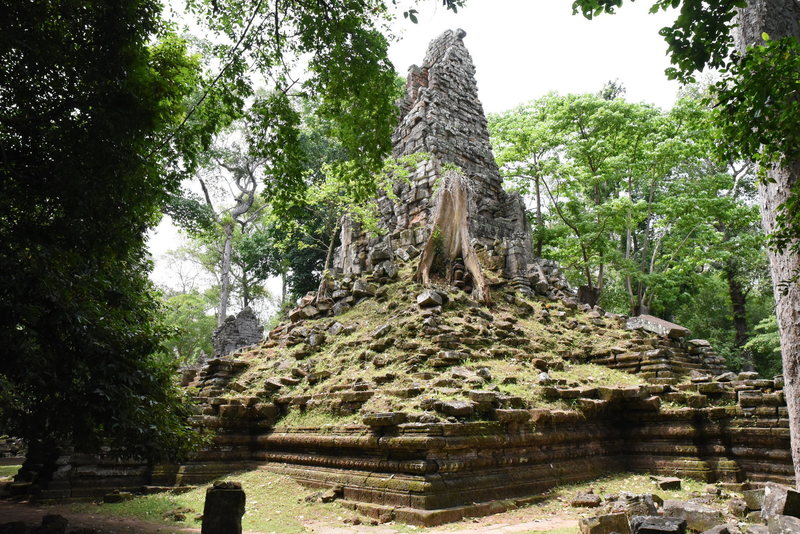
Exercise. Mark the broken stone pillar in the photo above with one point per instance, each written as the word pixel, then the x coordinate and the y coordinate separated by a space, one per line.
pixel 237 332
pixel 224 508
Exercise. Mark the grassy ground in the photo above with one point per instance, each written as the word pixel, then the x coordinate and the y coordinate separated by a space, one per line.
pixel 276 504
pixel 8 470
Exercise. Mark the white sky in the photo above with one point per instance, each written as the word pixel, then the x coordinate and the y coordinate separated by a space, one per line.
pixel 523 49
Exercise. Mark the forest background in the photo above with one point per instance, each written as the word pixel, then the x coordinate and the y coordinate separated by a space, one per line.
pixel 635 205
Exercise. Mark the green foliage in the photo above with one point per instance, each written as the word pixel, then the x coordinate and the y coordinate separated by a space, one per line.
pixel 348 77
pixel 766 346
pixel 84 171
pixel 758 111
pixel 756 101
pixel 192 327
pixel 633 205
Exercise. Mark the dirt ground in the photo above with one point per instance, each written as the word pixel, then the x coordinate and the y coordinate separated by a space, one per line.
pixel 497 524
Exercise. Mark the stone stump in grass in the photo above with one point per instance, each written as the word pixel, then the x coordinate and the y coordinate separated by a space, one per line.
pixel 224 508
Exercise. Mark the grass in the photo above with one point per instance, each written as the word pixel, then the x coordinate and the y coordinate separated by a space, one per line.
pixel 8 470
pixel 275 503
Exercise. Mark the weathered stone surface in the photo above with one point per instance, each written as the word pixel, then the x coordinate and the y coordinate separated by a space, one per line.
pixel 605 524
pixel 780 500
pixel 737 507
pixel 429 299
pixel 657 326
pixel 698 516
pixel 668 483
pixel 586 500
pixel 784 524
pixel 658 525
pixel 237 332
pixel 632 504
pixel 754 498
pixel 730 528
pixel 455 408
pixel 224 508
pixel 384 419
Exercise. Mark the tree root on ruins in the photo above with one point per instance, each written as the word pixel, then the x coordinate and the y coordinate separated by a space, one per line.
pixel 450 237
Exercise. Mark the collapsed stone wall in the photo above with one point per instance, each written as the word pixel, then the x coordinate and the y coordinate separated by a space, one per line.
pixel 729 429
pixel 236 332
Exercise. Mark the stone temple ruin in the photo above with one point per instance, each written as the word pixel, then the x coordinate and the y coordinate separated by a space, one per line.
pixel 466 214
pixel 444 372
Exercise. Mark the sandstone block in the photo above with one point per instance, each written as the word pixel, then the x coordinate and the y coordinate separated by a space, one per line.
pixel 224 508
pixel 737 507
pixel 657 326
pixel 455 408
pixel 586 500
pixel 780 500
pixel 754 499
pixel 698 516
pixel 784 524
pixel 513 416
pixel 605 524
pixel 429 299
pixel 658 525
pixel 730 528
pixel 384 419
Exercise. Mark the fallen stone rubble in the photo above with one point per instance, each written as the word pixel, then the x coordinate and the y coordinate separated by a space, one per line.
pixel 777 511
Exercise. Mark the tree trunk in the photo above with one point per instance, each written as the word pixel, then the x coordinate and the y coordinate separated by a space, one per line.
pixel 225 273
pixel 784 265
pixel 450 237
pixel 739 309
pixel 780 18
pixel 539 218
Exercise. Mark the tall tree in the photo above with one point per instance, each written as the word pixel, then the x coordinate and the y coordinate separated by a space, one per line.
pixel 759 115
pixel 84 104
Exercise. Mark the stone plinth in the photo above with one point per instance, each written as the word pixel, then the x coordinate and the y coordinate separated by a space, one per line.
pixel 224 508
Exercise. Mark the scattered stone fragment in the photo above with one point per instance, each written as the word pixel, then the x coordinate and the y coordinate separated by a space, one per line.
pixel 657 525
pixel 698 516
pixel 429 299
pixel 586 500
pixel 784 524
pixel 667 483
pixel 780 500
pixel 605 524
pixel 737 507
pixel 382 331
pixel 754 498
pixel 384 419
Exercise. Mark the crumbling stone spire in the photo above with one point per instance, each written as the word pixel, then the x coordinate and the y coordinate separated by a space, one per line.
pixel 453 210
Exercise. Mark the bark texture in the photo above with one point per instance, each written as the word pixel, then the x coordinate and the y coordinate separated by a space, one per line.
pixel 450 238
pixel 780 18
